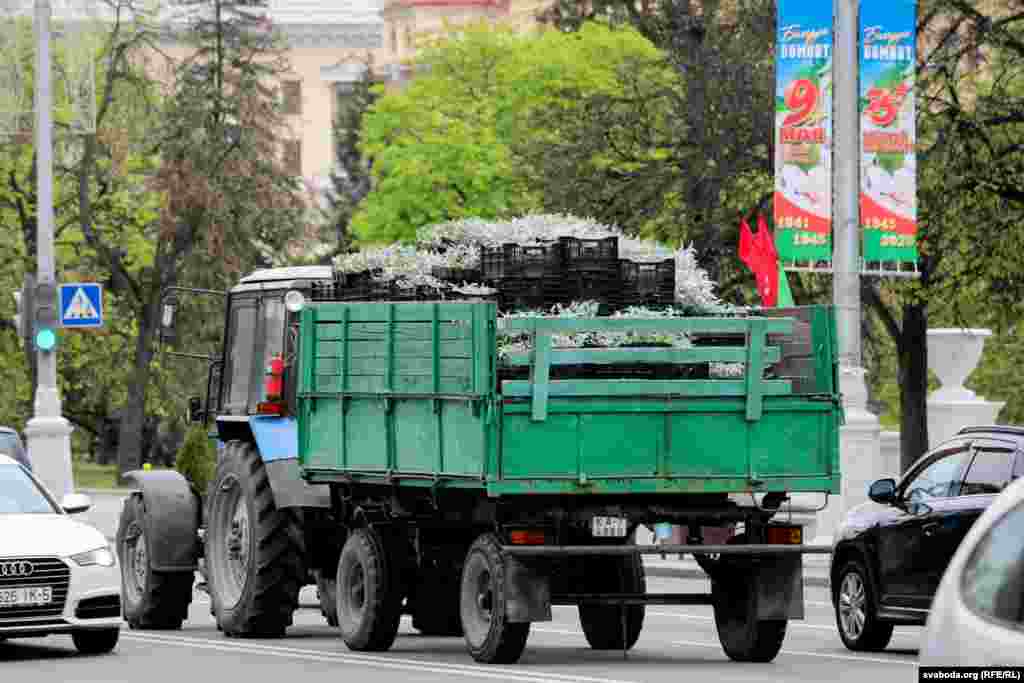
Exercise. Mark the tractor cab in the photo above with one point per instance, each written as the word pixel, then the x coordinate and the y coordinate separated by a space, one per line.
pixel 254 375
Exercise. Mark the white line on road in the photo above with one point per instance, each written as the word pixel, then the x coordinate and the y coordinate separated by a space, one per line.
pixel 379 661
pixel 825 655
pixel 802 653
pixel 677 615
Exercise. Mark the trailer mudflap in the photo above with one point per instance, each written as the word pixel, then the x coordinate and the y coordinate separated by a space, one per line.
pixel 779 582
pixel 527 591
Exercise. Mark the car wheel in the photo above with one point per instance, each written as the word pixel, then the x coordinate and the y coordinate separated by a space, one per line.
pixel 859 625
pixel 96 642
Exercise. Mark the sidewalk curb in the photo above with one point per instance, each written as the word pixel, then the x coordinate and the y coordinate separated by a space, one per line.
pixel 697 573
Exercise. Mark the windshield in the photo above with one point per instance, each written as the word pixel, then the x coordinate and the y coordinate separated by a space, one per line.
pixel 20 495
pixel 10 444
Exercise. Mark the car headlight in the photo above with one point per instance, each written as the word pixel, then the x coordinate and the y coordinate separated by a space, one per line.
pixel 101 556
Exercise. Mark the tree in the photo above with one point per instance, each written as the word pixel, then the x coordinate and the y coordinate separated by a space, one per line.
pixel 442 148
pixel 677 159
pixel 88 378
pixel 211 155
pixel 352 180
pixel 971 163
pixel 711 149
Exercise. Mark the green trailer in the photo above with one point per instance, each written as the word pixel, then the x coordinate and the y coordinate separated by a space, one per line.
pixel 475 487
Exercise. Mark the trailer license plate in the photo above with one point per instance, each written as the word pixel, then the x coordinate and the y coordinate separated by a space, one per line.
pixel 34 595
pixel 608 526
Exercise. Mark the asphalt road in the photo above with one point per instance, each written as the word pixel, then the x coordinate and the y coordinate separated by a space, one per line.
pixel 677 644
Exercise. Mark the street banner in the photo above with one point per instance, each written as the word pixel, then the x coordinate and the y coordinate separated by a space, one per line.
pixel 803 131
pixel 888 174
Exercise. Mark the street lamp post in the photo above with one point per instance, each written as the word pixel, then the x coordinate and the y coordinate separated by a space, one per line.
pixel 860 436
pixel 845 262
pixel 48 433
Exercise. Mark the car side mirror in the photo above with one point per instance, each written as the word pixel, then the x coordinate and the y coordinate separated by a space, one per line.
pixel 73 503
pixel 883 491
pixel 195 409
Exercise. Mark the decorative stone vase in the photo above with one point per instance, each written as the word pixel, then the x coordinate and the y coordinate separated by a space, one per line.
pixel 954 354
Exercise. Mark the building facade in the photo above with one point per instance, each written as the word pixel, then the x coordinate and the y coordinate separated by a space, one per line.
pixel 329 48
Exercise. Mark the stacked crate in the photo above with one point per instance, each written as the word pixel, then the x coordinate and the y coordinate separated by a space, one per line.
pixel 647 284
pixel 525 277
pixel 591 269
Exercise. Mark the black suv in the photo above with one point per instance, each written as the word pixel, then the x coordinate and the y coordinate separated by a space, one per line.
pixel 890 553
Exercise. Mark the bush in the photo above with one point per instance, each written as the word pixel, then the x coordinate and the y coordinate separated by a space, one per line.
pixel 197 458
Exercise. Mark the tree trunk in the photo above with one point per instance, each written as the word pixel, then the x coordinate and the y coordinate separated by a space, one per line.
pixel 129 447
pixel 912 349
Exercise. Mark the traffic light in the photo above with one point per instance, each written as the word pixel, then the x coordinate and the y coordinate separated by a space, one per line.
pixel 47 318
pixel 23 316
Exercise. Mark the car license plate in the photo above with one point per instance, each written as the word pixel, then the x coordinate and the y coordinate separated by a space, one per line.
pixel 608 526
pixel 32 595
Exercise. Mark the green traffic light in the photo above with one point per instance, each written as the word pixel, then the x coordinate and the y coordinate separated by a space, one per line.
pixel 46 339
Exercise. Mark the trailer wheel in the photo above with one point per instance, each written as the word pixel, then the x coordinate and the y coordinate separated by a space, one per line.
pixel 743 636
pixel 369 595
pixel 151 600
pixel 255 552
pixel 490 638
pixel 603 624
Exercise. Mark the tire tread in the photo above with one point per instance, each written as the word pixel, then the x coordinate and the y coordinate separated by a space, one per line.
pixel 268 603
pixel 164 605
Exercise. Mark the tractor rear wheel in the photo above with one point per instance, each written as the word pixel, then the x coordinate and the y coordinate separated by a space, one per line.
pixel 255 552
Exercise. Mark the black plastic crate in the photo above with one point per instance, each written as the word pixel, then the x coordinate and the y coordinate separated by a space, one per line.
pixel 457 275
pixel 515 261
pixel 600 255
pixel 356 286
pixel 615 371
pixel 324 291
pixel 603 287
pixel 645 284
pixel 531 293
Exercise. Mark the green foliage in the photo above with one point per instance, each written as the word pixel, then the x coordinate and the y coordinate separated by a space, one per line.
pixel 442 148
pixel 661 156
pixel 197 458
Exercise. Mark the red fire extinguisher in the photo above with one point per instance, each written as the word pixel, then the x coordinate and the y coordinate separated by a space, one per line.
pixel 275 378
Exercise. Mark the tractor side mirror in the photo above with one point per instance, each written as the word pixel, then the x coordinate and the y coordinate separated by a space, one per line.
pixel 195 409
pixel 169 308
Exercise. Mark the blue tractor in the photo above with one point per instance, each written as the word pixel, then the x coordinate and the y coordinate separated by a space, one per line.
pixel 248 534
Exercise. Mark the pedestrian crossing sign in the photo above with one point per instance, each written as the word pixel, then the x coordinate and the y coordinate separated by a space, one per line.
pixel 81 304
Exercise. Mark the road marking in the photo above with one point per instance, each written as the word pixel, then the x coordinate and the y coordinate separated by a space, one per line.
pixel 380 661
pixel 802 653
pixel 820 627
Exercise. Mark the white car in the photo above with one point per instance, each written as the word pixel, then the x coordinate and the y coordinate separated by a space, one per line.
pixel 57 575
pixel 977 616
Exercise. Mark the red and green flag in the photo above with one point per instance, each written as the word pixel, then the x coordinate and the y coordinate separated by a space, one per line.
pixel 758 252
